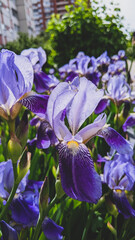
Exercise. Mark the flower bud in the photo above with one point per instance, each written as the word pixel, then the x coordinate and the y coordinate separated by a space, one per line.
pixel 22 129
pixel 111 208
pixel 59 190
pixel 44 195
pixel 23 165
pixel 14 149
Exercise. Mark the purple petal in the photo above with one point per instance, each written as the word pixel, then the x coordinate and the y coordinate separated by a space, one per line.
pixel 123 205
pixel 43 82
pixel 57 91
pixel 130 122
pixel 101 106
pixel 36 103
pixel 43 140
pixel 92 129
pixel 115 140
pixel 83 104
pixel 78 177
pixel 35 55
pixel 51 230
pixel 24 212
pixel 8 233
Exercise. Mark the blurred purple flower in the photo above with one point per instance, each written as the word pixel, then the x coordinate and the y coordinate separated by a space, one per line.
pixel 80 66
pixel 8 233
pixel 119 174
pixel 51 230
pixel 42 81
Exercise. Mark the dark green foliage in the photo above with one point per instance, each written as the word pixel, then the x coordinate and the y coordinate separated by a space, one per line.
pixel 82 29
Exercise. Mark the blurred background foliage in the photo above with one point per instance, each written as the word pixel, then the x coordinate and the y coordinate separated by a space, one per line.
pixel 84 27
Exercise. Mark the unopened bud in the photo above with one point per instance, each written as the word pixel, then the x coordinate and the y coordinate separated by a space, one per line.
pixel 22 129
pixel 59 190
pixel 111 208
pixel 23 165
pixel 44 195
pixel 14 149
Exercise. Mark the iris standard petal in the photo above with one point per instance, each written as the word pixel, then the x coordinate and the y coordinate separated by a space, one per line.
pixel 51 230
pixel 78 177
pixel 115 140
pixel 92 129
pixel 83 104
pixel 123 205
pixel 60 88
pixel 36 103
pixel 8 233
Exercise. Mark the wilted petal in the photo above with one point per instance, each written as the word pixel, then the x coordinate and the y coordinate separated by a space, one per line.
pixel 8 233
pixel 51 230
pixel 78 177
pixel 91 130
pixel 115 140
pixel 130 122
pixel 83 104
pixel 123 205
pixel 36 103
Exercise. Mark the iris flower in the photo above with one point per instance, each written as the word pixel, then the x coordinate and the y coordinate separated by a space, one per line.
pixel 119 174
pixel 42 81
pixel 16 81
pixel 78 176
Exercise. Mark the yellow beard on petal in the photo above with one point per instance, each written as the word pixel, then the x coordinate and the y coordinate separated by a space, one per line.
pixel 73 146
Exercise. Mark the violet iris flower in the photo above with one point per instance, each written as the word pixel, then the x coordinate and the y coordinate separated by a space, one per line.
pixel 80 66
pixel 24 207
pixel 119 174
pixel 118 91
pixel 16 80
pixel 8 233
pixel 78 177
pixel 42 81
pixel 51 230
pixel 45 135
pixel 130 121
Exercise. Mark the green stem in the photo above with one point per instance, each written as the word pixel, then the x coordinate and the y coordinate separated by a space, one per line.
pixel 11 124
pixel 41 219
pixel 15 170
pixel 11 196
pixel 89 219
pixel 115 225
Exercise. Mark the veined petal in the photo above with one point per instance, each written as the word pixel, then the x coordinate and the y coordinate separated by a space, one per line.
pixel 92 129
pixel 78 177
pixel 83 104
pixel 115 140
pixel 36 103
pixel 123 205
pixel 8 233
pixel 60 88
pixel 51 230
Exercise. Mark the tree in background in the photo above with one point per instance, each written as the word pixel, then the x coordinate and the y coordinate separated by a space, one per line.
pixel 85 28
